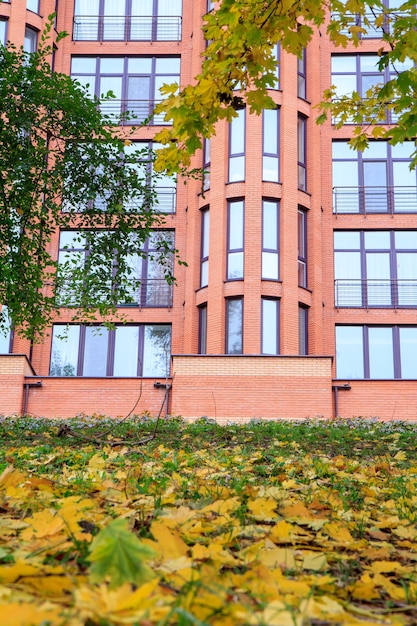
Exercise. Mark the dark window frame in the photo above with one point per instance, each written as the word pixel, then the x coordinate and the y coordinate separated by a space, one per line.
pixel 277 322
pixel 302 151
pixel 303 329
pixel 266 249
pixel 32 38
pixel 302 75
pixel 230 251
pixel 204 245
pixel 202 328
pixel 237 155
pixel 228 347
pixel 302 247
pixel 265 153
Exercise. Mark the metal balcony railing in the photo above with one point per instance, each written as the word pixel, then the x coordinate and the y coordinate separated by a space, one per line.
pixel 153 292
pixel 127 28
pixel 375 199
pixel 381 293
pixel 371 23
pixel 131 112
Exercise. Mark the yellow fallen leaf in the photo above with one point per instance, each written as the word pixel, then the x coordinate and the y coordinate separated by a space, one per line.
pixel 282 532
pixel 277 557
pixel 16 614
pixel 338 532
pixel 46 523
pixel 170 544
pixel 262 508
pixel 386 567
pixel 315 561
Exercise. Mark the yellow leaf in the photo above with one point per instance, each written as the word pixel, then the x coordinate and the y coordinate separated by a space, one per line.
pixel 10 573
pixel 277 557
pixel 11 477
pixel 262 508
pixel 282 532
pixel 386 567
pixel 46 523
pixel 338 532
pixel 170 544
pixel 314 560
pixel 16 614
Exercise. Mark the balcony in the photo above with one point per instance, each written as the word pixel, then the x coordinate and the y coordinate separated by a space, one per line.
pixel 382 293
pixel 375 199
pixel 371 22
pixel 126 28
pixel 131 112
pixel 149 293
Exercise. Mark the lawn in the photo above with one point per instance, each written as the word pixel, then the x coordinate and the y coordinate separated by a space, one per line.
pixel 159 522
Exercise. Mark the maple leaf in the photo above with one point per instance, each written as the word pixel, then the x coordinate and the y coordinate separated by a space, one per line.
pixel 117 554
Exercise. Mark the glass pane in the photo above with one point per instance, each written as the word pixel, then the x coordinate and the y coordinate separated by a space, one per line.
pixel 342 150
pixel 270 225
pixel 202 335
pixel 378 273
pixel 375 182
pixel 377 240
pixel 235 225
pixel 111 65
pixel 126 351
pixel 302 330
pixel 157 351
pixel 349 352
pixel 142 7
pixel 169 7
pixel 270 131
pixel 64 353
pixel 95 351
pixel 344 63
pixel 140 65
pixel 407 278
pixel 405 190
pixel 113 84
pixel 168 65
pixel 270 265
pixel 369 63
pixel 204 274
pixel 237 133
pixel 3 25
pixel 5 336
pixel 236 169
pixel 270 169
pixel 234 326
pixel 234 265
pixel 376 150
pixel 348 283
pixel 32 5
pixel 408 351
pixel 206 234
pixel 406 240
pixel 381 357
pixel 269 326
pixel 344 84
pixel 347 240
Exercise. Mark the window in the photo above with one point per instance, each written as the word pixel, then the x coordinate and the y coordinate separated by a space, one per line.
pixel 6 336
pixel 32 5
pixel 144 284
pixel 379 178
pixel 205 241
pixel 302 330
pixel 3 31
pixel 270 145
pixel 375 268
pixel 206 163
pixel 302 248
pixel 384 352
pixel 269 326
pixel 235 240
pixel 360 73
pixel 276 52
pixel 301 147
pixel 302 75
pixel 237 147
pixel 134 81
pixel 164 186
pixel 270 239
pixel 202 329
pixel 373 22
pixel 210 5
pixel 127 20
pixel 234 326
pixel 130 350
pixel 31 40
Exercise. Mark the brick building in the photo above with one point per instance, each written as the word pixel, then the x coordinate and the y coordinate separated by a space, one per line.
pixel 300 294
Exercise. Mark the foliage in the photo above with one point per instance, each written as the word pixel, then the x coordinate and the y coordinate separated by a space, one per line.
pixel 64 165
pixel 239 66
pixel 298 524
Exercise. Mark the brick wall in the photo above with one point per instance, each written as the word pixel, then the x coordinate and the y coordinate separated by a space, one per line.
pixel 244 387
pixel 13 369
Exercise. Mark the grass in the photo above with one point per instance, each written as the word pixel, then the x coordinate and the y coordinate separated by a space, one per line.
pixel 303 523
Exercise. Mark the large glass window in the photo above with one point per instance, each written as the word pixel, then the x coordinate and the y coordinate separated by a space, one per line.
pixel 206 163
pixel 31 40
pixel 379 178
pixel 360 73
pixel 3 31
pixel 164 186
pixel 205 241
pixel 375 268
pixel 127 20
pixel 33 5
pixel 235 240
pixel 302 155
pixel 202 329
pixel 135 83
pixel 270 145
pixel 144 283
pixel 237 147
pixel 302 248
pixel 302 74
pixel 270 326
pixel 302 329
pixel 131 350
pixel 6 335
pixel 234 326
pixel 375 22
pixel 270 239
pixel 376 352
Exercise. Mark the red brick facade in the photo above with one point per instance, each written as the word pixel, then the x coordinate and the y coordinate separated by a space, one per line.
pixel 250 384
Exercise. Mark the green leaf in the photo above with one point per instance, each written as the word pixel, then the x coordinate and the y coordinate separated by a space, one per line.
pixel 118 555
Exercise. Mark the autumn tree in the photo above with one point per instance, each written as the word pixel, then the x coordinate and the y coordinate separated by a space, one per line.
pixel 63 164
pixel 239 67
